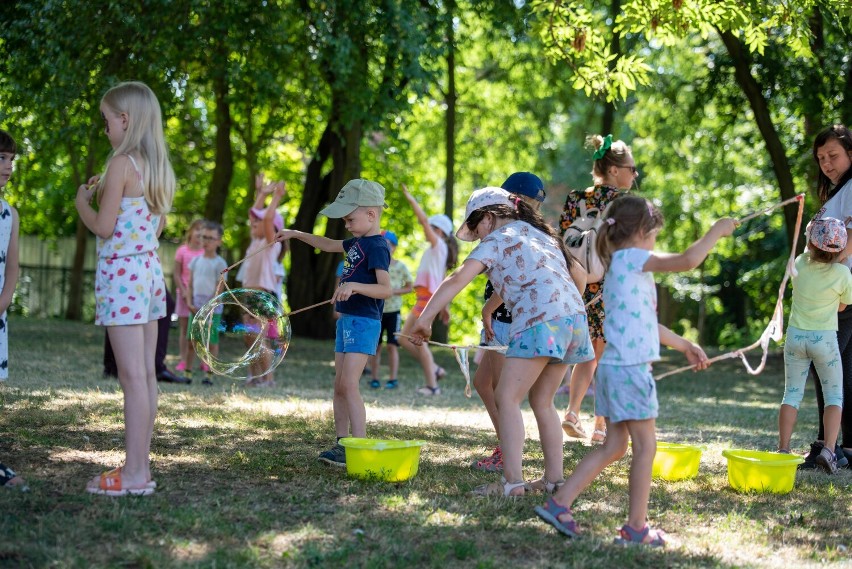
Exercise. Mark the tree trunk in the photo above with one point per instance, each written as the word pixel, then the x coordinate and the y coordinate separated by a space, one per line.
pixel 223 171
pixel 452 96
pixel 74 308
pixel 753 92
pixel 312 272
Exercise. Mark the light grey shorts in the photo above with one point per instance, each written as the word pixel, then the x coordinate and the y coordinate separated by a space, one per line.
pixel 625 393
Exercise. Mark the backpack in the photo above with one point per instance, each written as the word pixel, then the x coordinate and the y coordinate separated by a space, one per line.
pixel 580 239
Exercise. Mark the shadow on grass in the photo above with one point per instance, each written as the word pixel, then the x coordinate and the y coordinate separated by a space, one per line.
pixel 241 487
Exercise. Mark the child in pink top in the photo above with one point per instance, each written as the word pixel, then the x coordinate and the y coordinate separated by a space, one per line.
pixel 190 249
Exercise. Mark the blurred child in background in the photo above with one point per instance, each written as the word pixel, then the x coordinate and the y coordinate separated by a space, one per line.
pixel 401 283
pixel 204 274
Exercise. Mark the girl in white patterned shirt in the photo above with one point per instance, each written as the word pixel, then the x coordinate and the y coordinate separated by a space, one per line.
pixel 539 282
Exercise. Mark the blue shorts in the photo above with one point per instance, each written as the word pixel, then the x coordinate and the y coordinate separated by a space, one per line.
pixel 565 340
pixel 625 393
pixel 356 334
pixel 501 334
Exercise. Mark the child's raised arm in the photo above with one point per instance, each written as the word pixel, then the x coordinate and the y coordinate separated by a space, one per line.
pixel 279 190
pixel 693 352
pixel 446 292
pixel 694 255
pixel 319 241
pixel 431 236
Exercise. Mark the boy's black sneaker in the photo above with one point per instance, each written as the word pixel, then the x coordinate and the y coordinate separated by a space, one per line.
pixel 335 456
pixel 816 447
pixel 810 458
pixel 842 460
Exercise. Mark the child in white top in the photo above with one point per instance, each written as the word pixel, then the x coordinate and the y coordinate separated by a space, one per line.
pixel 259 270
pixel 625 393
pixel 204 274
pixel 436 260
pixel 9 270
pixel 537 279
pixel 134 194
pixel 821 286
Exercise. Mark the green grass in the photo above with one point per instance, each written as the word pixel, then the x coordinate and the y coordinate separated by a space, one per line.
pixel 240 486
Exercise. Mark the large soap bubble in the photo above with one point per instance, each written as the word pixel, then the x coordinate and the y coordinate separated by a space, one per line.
pixel 261 328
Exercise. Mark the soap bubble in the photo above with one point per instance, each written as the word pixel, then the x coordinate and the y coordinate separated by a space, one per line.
pixel 261 330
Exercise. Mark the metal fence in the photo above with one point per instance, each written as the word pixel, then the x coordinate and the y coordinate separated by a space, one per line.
pixel 45 277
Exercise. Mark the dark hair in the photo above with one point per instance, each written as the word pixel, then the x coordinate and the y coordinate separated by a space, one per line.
pixel 524 212
pixel 217 227
pixel 452 251
pixel 7 143
pixel 630 216
pixel 618 154
pixel 842 135
pixel 820 256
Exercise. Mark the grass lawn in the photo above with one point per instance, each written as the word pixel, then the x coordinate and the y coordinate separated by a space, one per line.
pixel 239 484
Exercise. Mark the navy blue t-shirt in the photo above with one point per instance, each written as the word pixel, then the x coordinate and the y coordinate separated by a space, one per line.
pixel 362 257
pixel 501 313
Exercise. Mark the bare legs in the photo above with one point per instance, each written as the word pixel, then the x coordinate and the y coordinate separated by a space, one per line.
pixel 787 420
pixel 421 353
pixel 581 379
pixel 520 377
pixel 135 347
pixel 643 435
pixel 349 412
pixel 485 382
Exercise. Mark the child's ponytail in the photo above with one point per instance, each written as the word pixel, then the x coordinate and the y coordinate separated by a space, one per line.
pixel 628 217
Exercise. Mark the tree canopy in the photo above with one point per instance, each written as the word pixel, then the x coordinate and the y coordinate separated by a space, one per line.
pixel 445 97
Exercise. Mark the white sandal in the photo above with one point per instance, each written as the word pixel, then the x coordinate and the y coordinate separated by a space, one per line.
pixel 502 488
pixel 573 428
pixel 544 485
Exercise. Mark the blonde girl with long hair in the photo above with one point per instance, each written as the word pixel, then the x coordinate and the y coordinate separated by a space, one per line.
pixel 133 196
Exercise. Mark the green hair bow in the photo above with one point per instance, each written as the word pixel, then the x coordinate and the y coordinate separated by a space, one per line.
pixel 607 143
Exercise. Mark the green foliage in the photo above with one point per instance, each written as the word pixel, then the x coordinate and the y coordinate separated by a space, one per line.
pixel 577 32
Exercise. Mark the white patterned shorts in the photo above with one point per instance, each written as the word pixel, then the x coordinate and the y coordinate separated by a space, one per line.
pixel 129 290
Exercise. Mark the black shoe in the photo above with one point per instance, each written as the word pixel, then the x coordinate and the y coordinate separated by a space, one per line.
pixel 168 377
pixel 842 460
pixel 810 458
pixel 335 456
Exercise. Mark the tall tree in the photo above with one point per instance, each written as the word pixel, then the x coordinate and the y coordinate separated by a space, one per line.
pixel 368 54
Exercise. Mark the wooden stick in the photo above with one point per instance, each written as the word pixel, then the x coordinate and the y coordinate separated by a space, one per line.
pixel 454 346
pixel 751 216
pixel 292 312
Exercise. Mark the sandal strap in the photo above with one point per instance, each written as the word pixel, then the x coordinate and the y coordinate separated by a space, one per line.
pixel 508 487
pixel 638 536
pixel 557 509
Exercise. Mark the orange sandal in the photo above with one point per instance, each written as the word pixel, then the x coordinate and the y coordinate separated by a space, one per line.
pixel 110 484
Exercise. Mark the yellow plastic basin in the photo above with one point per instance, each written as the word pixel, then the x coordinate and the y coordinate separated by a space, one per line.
pixel 761 471
pixel 675 461
pixel 391 461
